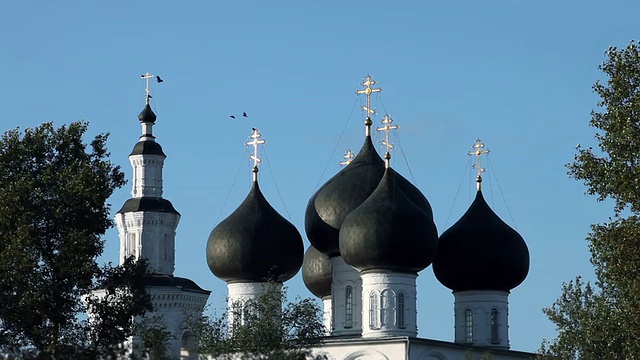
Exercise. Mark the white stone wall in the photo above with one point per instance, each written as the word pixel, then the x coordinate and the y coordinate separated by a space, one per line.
pixel 147 175
pixel 481 303
pixel 150 235
pixel 345 276
pixel 382 295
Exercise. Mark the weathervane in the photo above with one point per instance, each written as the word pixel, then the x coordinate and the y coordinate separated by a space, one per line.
pixel 478 152
pixel 367 83
pixel 146 77
pixel 255 141
pixel 386 122
pixel 348 156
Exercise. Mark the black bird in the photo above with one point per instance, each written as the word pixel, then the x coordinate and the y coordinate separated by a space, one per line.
pixel 244 114
pixel 232 116
pixel 159 79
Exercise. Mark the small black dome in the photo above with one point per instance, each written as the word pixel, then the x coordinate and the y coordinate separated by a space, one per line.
pixel 331 204
pixel 147 115
pixel 255 244
pixel 147 147
pixel 148 204
pixel 317 272
pixel 157 280
pixel 392 230
pixel 481 252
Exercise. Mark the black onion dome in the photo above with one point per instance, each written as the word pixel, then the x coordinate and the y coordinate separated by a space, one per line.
pixel 255 244
pixel 147 115
pixel 481 252
pixel 344 192
pixel 147 147
pixel 391 230
pixel 317 272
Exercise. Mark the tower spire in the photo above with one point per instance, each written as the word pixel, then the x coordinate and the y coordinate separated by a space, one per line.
pixel 478 152
pixel 255 141
pixel 386 127
pixel 367 83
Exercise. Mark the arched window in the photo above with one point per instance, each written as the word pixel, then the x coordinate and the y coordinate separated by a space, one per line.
pixel 400 311
pixel 495 337
pixel 237 313
pixel 132 245
pixel 386 308
pixel 348 310
pixel 468 325
pixel 373 310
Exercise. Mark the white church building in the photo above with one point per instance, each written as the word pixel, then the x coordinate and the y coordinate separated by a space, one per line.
pixel 371 233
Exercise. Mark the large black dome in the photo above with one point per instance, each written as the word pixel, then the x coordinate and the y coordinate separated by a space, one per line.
pixel 344 192
pixel 481 252
pixel 255 244
pixel 317 272
pixel 392 230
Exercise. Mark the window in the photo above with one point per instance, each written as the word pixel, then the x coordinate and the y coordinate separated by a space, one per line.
pixel 166 248
pixel 495 337
pixel 400 311
pixel 386 307
pixel 348 316
pixel 132 245
pixel 373 310
pixel 468 322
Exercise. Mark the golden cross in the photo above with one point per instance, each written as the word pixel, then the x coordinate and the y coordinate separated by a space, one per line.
pixel 367 83
pixel 255 141
pixel 386 122
pixel 478 152
pixel 348 156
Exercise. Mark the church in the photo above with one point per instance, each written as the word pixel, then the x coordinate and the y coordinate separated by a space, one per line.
pixel 371 232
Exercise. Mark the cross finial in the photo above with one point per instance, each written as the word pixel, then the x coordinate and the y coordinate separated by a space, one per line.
pixel 386 127
pixel 478 152
pixel 367 83
pixel 255 141
pixel 146 77
pixel 348 156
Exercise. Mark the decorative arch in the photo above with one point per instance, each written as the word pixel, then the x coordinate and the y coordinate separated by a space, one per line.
pixel 366 355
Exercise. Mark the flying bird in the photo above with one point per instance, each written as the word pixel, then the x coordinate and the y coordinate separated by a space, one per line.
pixel 159 79
pixel 244 114
pixel 232 116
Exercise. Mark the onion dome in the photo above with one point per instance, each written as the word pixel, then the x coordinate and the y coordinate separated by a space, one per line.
pixel 255 243
pixel 147 145
pixel 344 192
pixel 147 115
pixel 392 230
pixel 317 273
pixel 481 252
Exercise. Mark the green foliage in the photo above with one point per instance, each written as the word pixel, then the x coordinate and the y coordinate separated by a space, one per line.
pixel 602 321
pixel 53 212
pixel 269 327
pixel 155 337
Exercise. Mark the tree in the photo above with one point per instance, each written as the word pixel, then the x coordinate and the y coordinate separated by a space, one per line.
pixel 271 328
pixel 602 320
pixel 53 212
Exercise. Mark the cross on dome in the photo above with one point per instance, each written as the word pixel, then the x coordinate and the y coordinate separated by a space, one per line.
pixel 478 152
pixel 348 156
pixel 367 83
pixel 255 141
pixel 146 77
pixel 386 122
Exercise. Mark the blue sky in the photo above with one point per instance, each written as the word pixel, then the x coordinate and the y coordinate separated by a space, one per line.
pixel 516 74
